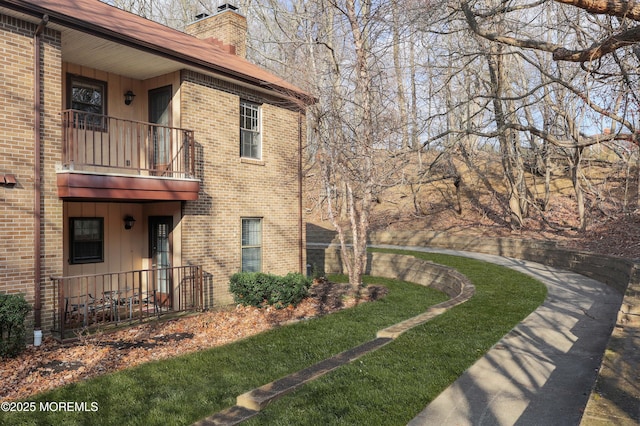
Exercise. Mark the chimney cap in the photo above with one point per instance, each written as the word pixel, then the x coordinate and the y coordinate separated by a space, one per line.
pixel 227 6
pixel 202 16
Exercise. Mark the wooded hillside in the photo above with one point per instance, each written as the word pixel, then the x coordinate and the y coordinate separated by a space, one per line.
pixel 465 194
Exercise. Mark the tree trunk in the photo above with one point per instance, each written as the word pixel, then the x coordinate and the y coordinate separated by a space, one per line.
pixel 547 175
pixel 575 180
pixel 638 176
pixel 494 60
pixel 399 72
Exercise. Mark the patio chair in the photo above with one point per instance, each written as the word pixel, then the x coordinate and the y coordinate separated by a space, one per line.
pixel 160 301
pixel 75 306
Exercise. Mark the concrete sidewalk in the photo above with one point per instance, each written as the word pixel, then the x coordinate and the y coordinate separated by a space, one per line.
pixel 542 372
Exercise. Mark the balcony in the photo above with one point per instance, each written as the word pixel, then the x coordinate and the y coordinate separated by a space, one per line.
pixel 86 302
pixel 108 158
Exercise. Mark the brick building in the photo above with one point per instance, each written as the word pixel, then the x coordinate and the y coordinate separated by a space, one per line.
pixel 141 166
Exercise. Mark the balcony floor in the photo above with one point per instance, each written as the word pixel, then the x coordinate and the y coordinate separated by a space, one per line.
pixel 78 185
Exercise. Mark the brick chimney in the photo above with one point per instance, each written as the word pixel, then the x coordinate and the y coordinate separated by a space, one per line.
pixel 227 28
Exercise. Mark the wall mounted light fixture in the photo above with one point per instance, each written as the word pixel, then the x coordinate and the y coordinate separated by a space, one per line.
pixel 128 222
pixel 128 97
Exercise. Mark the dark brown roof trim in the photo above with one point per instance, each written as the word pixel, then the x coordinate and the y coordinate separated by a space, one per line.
pixel 87 27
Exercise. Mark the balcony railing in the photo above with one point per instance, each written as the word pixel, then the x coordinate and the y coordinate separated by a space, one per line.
pixel 91 301
pixel 104 144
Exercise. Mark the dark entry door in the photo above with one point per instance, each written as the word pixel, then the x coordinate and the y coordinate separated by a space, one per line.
pixel 160 114
pixel 161 258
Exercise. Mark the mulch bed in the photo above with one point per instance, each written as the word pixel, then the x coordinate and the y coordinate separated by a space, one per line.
pixel 53 364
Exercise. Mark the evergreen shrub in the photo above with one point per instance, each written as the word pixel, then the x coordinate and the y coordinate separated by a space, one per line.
pixel 260 289
pixel 13 311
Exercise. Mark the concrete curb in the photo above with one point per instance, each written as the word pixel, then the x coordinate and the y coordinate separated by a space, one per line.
pixel 455 285
pixel 541 372
pixel 616 394
pixel 259 398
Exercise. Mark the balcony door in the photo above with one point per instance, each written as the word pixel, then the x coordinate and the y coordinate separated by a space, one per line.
pixel 160 114
pixel 161 257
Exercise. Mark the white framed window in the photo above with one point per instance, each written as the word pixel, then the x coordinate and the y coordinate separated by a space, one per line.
pixel 250 140
pixel 251 244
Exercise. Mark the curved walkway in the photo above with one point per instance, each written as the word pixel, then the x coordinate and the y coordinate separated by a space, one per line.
pixel 542 372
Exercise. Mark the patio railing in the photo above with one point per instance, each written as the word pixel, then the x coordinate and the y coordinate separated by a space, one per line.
pixel 87 301
pixel 101 143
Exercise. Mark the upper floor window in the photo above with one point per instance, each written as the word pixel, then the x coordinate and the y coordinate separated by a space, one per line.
pixel 86 240
pixel 89 96
pixel 250 144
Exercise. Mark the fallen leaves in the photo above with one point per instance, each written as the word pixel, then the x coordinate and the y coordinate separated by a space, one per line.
pixel 53 364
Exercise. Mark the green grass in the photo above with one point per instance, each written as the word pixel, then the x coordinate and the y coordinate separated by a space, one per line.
pixel 185 389
pixel 393 384
pixel 388 386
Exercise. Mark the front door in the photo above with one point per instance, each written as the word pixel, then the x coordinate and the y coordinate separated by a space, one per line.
pixel 161 144
pixel 160 254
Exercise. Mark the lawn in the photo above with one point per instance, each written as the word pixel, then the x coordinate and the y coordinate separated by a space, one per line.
pixel 387 387
pixel 393 384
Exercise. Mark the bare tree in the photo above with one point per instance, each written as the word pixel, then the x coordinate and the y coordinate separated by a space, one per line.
pixel 172 13
pixel 596 76
pixel 398 66
pixel 626 33
pixel 349 156
pixel 401 83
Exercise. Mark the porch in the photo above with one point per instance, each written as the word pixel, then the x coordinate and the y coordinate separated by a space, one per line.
pixel 109 158
pixel 101 300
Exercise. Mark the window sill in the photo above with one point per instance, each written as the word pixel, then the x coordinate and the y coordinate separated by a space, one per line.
pixel 252 161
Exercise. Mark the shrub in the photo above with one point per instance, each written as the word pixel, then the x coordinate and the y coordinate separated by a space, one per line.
pixel 249 288
pixel 317 272
pixel 13 311
pixel 260 289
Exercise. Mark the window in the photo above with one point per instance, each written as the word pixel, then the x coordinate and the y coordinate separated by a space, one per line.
pixel 250 146
pixel 89 97
pixel 251 245
pixel 86 240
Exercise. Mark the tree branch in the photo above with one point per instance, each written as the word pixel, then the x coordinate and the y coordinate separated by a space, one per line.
pixel 598 50
pixel 511 41
pixel 622 9
pixel 625 38
pixel 584 140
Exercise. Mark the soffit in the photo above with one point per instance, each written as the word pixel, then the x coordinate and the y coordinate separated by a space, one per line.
pixel 88 50
pixel 101 36
pixel 91 51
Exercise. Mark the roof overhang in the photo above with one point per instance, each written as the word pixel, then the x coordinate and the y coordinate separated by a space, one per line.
pixel 92 44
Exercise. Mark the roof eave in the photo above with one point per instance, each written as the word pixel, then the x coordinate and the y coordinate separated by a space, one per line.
pixel 188 60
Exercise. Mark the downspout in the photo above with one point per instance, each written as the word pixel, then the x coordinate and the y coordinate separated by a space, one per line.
pixel 300 222
pixel 37 69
